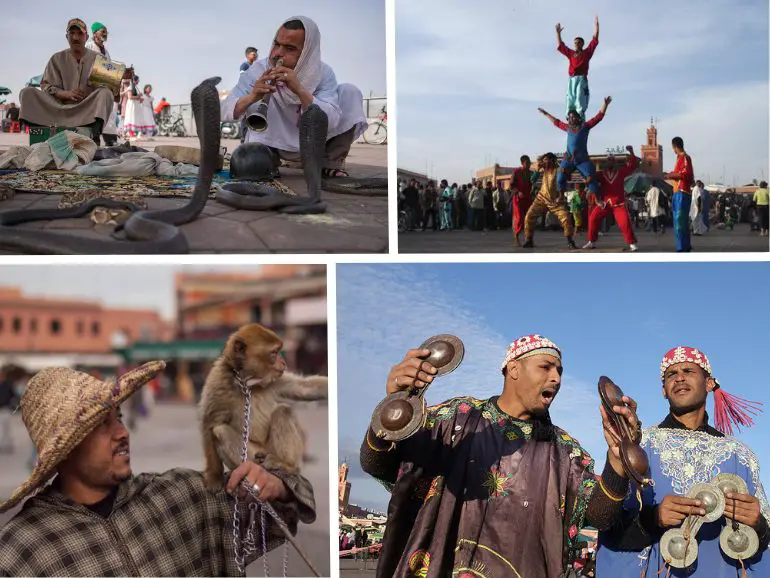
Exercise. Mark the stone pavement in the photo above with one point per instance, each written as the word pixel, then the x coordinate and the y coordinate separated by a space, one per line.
pixel 352 223
pixel 465 241
pixel 357 568
pixel 170 438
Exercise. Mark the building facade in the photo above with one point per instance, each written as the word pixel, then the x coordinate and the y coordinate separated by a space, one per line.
pixel 405 176
pixel 343 488
pixel 32 329
pixel 288 299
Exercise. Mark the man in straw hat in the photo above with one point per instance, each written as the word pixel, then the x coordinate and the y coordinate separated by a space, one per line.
pixel 301 81
pixel 491 487
pixel 97 519
pixel 685 450
pixel 65 98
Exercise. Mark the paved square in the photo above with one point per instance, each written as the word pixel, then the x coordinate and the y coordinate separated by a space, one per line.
pixel 464 241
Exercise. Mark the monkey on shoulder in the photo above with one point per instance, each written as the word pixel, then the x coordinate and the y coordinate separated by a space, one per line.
pixel 276 439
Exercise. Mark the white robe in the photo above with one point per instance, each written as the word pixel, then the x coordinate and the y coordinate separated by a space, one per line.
pixel 698 226
pixel 342 103
pixel 653 201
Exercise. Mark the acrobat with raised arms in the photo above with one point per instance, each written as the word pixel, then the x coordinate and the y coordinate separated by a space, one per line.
pixel 576 155
pixel 577 89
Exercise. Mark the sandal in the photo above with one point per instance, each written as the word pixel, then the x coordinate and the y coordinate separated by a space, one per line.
pixel 333 173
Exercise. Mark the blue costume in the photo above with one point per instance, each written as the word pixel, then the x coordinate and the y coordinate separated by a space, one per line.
pixel 577 154
pixel 680 458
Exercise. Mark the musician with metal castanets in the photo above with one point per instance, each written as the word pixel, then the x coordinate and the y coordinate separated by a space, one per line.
pixel 706 513
pixel 68 95
pixel 492 487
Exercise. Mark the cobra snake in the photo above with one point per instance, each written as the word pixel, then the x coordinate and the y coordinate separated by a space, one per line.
pixel 144 232
pixel 256 196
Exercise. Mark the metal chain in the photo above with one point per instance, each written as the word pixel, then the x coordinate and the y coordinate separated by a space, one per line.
pixel 248 546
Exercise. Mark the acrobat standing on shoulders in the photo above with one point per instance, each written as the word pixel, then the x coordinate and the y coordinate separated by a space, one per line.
pixel 577 89
pixel 576 155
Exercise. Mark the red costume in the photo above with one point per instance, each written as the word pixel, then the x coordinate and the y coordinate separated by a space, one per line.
pixel 683 169
pixel 578 63
pixel 522 183
pixel 611 185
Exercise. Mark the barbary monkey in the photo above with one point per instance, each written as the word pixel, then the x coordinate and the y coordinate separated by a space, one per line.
pixel 276 438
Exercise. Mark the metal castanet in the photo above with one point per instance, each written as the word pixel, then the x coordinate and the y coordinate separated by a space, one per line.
pixel 738 541
pixel 256 114
pixel 634 459
pixel 400 415
pixel 679 546
pixel 106 73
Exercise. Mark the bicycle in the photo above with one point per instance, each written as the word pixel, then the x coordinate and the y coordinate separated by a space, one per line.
pixel 171 127
pixel 377 132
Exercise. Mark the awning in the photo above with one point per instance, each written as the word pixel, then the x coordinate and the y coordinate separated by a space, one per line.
pixel 310 311
pixel 189 350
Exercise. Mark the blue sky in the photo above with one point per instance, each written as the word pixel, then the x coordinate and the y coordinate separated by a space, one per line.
pixel 609 319
pixel 174 46
pixel 471 75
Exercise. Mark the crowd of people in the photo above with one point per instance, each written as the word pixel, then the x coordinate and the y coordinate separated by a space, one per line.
pixel 357 538
pixel 478 206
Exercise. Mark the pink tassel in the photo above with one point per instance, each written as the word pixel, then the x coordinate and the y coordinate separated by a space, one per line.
pixel 730 409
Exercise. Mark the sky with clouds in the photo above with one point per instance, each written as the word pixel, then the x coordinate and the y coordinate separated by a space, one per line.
pixel 609 319
pixel 130 286
pixel 471 75
pixel 174 46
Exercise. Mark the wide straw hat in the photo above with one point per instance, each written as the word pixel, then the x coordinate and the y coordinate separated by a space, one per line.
pixel 61 406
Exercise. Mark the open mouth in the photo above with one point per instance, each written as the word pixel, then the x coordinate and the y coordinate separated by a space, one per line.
pixel 547 395
pixel 123 452
pixel 681 390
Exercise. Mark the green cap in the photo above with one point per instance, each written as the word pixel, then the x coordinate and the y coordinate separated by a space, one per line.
pixel 97 26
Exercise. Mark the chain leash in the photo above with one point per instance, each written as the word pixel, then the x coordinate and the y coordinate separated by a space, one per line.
pixel 248 546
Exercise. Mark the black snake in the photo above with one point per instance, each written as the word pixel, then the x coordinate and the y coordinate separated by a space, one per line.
pixel 257 196
pixel 145 232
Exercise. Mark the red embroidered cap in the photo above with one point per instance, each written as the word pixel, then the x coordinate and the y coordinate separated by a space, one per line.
pixel 531 345
pixel 684 355
pixel 728 409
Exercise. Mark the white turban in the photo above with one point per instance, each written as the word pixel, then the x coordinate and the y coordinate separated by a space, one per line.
pixel 308 68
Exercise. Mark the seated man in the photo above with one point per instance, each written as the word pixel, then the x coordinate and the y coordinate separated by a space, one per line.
pixel 65 99
pixel 302 81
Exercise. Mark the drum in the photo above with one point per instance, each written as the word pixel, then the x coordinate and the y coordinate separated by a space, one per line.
pixel 107 73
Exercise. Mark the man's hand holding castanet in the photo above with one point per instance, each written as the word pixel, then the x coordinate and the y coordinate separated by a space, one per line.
pixel 613 438
pixel 673 510
pixel 746 508
pixel 413 371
